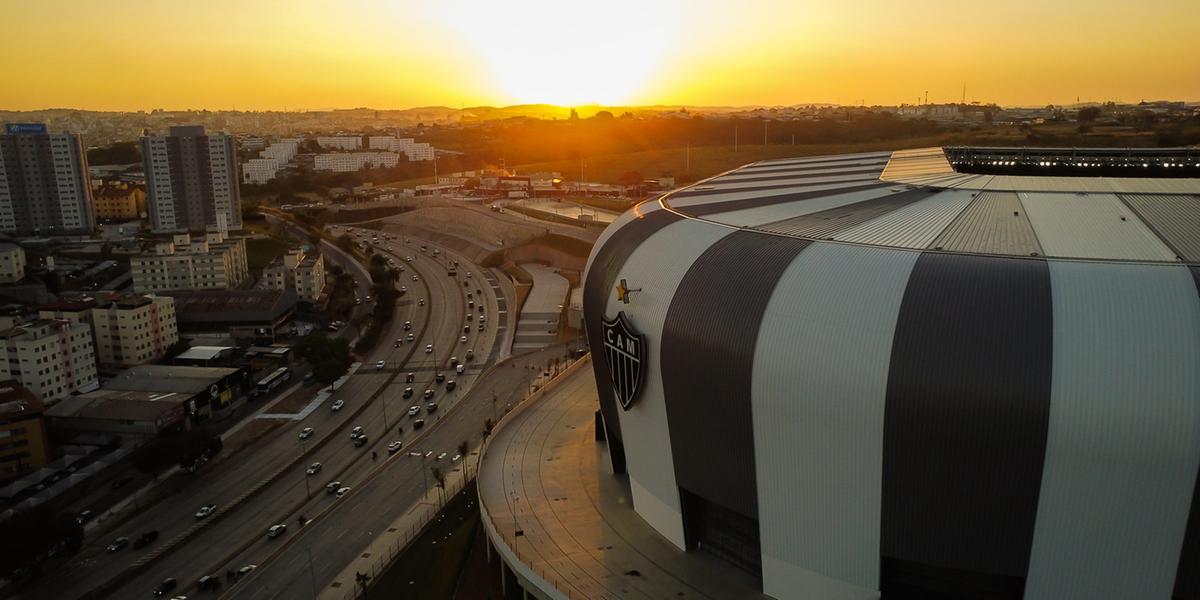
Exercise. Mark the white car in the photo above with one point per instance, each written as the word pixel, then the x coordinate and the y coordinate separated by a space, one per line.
pixel 394 447
pixel 428 348
pixel 314 468
pixel 458 368
pixel 414 411
pixel 343 491
pixel 408 258
pixel 276 530
pixel 246 570
pixel 206 510
pixel 337 405
pixel 379 365
pixel 306 433
pixel 409 337
pixel 415 278
pixel 463 339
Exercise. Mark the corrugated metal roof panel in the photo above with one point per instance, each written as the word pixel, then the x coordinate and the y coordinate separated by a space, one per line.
pixel 995 223
pixel 742 177
pixel 827 223
pixel 786 210
pixel 913 226
pixel 1091 226
pixel 1175 218
pixel 824 158
pixel 721 184
pixel 704 195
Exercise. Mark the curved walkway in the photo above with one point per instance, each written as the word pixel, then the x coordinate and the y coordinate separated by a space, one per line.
pixel 545 476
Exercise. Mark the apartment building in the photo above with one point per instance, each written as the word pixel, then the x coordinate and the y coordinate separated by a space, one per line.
pixel 412 149
pixel 23 444
pixel 341 142
pixel 12 263
pixel 258 171
pixel 127 329
pixel 212 261
pixel 44 186
pixel 191 180
pixel 120 200
pixel 348 162
pixel 297 271
pixel 51 357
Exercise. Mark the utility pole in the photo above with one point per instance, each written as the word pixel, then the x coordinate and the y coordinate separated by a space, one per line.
pixel 764 132
pixel 735 132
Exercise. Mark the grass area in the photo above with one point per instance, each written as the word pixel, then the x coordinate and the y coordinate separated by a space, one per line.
pixel 260 252
pixel 429 569
pixel 706 161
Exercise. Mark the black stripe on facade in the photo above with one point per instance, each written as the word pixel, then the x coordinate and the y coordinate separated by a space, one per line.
pixel 712 208
pixel 1187 574
pixel 601 277
pixel 707 361
pixel 703 190
pixel 966 416
pixel 873 171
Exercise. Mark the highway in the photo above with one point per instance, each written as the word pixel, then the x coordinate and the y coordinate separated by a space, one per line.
pixel 274 466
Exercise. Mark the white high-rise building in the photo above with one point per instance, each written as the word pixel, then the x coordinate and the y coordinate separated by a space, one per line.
pixel 191 178
pixel 44 186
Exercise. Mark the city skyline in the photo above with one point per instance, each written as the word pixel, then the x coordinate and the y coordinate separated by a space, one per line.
pixel 397 54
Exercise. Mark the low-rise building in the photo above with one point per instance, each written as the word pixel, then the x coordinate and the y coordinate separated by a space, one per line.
pixel 120 412
pixel 12 263
pixel 203 389
pixel 120 200
pixel 51 357
pixel 127 329
pixel 243 314
pixel 349 162
pixel 214 261
pixel 298 271
pixel 23 445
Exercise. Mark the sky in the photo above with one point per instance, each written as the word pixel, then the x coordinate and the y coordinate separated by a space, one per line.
pixel 319 54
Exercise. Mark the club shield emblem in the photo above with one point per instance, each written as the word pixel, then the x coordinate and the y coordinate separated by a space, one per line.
pixel 624 349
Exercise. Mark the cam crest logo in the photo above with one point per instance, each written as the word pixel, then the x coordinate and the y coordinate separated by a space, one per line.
pixel 624 349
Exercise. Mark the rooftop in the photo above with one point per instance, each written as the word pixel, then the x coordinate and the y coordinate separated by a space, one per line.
pixel 917 200
pixel 167 378
pixel 223 306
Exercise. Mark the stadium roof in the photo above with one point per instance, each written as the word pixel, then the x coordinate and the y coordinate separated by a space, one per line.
pixel 917 200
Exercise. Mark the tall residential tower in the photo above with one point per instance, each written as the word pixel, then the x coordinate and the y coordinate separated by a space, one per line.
pixel 191 178
pixel 43 182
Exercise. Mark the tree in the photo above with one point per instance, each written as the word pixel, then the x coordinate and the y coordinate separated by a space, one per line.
pixel 1088 115
pixel 329 356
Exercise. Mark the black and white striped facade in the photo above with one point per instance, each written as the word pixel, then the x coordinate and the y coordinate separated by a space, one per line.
pixel 869 373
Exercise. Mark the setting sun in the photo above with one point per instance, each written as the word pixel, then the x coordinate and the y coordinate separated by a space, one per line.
pixel 566 53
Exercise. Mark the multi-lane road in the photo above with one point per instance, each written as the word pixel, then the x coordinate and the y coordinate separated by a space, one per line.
pixel 266 483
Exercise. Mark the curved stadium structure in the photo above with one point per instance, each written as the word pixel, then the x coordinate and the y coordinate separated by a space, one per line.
pixel 875 374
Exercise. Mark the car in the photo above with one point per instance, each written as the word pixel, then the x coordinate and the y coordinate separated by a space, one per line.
pixel 306 433
pixel 357 431
pixel 400 268
pixel 242 572
pixel 83 517
pixel 166 586
pixel 408 392
pixel 459 369
pixel 428 348
pixel 482 326
pixel 462 340
pixel 478 291
pixel 467 328
pixel 470 354
pixel 410 337
pixel 470 316
pixel 431 407
pixel 398 342
pixel 419 423
pixel 468 274
pixel 118 544
pixel 403 290
pixel 408 258
pixel 409 378
pixel 313 469
pixel 414 411
pixel 470 303
pixel 470 295
pixel 333 487
pixel 416 278
pixel 380 365
pixel 482 317
pixel 360 441
pixel 368 297
pixel 440 377
pixel 357 301
pixel 428 394
pixel 208 582
pixel 146 538
pixel 450 385
pixel 206 510
pixel 454 360
pixel 343 491
pixel 276 530
pixel 420 302
pixel 408 325
pixel 394 447
pixel 337 405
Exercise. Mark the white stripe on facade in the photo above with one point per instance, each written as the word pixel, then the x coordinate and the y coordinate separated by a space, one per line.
pixel 820 380
pixel 1123 445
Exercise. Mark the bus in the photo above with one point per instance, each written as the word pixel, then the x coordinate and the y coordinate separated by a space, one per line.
pixel 272 381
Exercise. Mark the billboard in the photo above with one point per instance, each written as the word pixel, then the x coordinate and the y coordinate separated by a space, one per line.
pixel 15 128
